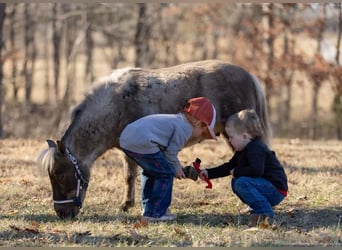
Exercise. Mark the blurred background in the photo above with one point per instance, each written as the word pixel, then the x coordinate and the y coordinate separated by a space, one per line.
pixel 51 53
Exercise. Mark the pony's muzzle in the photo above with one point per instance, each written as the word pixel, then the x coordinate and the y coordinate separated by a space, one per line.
pixel 66 211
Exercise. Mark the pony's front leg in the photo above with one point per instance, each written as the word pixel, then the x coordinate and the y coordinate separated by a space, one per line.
pixel 130 174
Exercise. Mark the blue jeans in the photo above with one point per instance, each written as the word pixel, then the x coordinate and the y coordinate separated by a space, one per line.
pixel 258 193
pixel 156 182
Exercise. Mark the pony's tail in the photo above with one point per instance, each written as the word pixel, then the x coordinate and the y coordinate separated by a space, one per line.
pixel 46 160
pixel 261 110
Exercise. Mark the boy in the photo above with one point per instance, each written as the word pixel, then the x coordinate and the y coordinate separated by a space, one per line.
pixel 259 180
pixel 154 141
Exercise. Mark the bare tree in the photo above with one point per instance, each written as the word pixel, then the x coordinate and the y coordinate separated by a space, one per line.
pixel 70 35
pixel 56 41
pixel 73 43
pixel 12 37
pixel 142 35
pixel 89 71
pixel 46 49
pixel 318 73
pixel 339 35
pixel 337 78
pixel 268 21
pixel 167 37
pixel 287 64
pixel 2 19
pixel 118 32
pixel 337 102
pixel 30 51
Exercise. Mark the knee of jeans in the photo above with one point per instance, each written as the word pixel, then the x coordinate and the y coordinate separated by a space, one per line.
pixel 241 183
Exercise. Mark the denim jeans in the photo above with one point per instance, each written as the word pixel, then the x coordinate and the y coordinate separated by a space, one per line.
pixel 258 193
pixel 156 182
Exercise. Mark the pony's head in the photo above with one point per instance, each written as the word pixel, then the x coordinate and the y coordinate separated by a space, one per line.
pixel 68 180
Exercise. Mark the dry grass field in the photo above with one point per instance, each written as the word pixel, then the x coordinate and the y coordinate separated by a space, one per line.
pixel 309 216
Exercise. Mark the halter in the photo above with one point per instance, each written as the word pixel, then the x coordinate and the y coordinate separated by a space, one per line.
pixel 81 182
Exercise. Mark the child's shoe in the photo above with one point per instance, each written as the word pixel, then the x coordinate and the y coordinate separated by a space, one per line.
pixel 168 211
pixel 165 217
pixel 246 210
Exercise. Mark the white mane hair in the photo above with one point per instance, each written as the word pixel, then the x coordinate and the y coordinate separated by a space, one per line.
pixel 113 77
pixel 45 160
pixel 118 73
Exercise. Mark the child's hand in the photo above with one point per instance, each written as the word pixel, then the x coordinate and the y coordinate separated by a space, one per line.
pixel 179 173
pixel 204 173
pixel 232 172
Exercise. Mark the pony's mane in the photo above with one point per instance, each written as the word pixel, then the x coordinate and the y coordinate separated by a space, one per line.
pixel 45 160
pixel 116 77
pixel 103 87
pixel 99 90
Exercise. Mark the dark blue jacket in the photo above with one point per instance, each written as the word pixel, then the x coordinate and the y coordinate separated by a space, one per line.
pixel 255 160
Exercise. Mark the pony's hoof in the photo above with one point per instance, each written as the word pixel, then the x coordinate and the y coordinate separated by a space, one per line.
pixel 126 205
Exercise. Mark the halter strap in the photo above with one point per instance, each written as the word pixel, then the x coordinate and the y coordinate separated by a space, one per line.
pixel 75 164
pixel 81 182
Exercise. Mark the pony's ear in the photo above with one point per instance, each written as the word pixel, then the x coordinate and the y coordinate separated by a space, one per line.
pixel 51 143
pixel 60 148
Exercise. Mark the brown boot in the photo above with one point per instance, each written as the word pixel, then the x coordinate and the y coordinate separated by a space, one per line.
pixel 256 220
pixel 190 173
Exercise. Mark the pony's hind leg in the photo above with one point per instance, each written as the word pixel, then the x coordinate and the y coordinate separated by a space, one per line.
pixel 130 174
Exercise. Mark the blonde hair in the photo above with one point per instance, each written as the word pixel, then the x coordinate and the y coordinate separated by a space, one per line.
pixel 248 121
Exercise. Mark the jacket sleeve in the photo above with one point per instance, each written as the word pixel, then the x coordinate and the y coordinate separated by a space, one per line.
pixel 222 170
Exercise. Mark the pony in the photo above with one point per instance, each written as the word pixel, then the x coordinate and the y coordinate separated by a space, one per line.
pixel 131 93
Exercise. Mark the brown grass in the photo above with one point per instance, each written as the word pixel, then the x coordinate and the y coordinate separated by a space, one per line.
pixel 309 216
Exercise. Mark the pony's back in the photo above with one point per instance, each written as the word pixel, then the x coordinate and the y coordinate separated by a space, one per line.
pixel 229 87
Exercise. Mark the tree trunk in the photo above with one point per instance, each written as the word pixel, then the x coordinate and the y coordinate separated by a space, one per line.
pixel 215 35
pixel 268 21
pixel 30 52
pixel 47 65
pixel 337 109
pixel 89 71
pixel 337 104
pixel 142 34
pixel 2 19
pixel 70 58
pixel 73 43
pixel 314 115
pixel 56 41
pixel 287 72
pixel 317 83
pixel 12 38
pixel 28 37
pixel 338 43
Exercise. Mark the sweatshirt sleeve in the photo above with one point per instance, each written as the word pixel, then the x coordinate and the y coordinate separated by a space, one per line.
pixel 222 170
pixel 177 141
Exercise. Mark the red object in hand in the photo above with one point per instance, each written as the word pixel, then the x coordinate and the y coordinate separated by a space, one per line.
pixel 196 165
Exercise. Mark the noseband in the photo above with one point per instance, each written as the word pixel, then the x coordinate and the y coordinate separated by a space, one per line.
pixel 82 184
